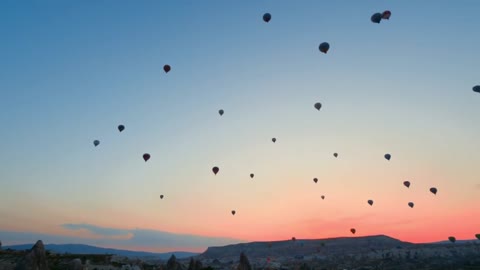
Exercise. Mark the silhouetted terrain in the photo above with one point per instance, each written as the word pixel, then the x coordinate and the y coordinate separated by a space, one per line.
pixel 87 249
pixel 372 252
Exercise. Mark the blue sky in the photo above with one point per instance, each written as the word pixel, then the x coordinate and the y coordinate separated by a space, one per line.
pixel 71 71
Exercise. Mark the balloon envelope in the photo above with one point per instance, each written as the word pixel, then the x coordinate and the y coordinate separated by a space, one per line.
pixel 252 175
pixel 323 197
pixel 121 128
pixel 221 112
pixel 215 170
pixel 315 180
pixel 376 18
pixel 96 143
pixel 476 88
pixel 433 190
pixel 274 140
pixel 166 68
pixel 318 106
pixel 407 184
pixel 452 239
pixel 233 212
pixel 411 204
pixel 267 17
pixel 370 202
pixel 335 154
pixel 324 47
pixel 388 156
pixel 161 196
pixel 477 236
pixel 353 230
pixel 386 15
pixel 146 157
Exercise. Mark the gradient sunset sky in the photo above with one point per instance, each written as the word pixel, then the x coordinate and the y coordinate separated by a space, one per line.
pixel 71 71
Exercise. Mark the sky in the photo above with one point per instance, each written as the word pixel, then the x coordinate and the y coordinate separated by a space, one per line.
pixel 72 71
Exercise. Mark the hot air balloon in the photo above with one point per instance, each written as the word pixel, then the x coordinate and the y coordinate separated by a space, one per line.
pixel 452 239
pixel 252 175
pixel 433 190
pixel 161 196
pixel 293 239
pixel 318 106
pixel 388 156
pixel 323 197
pixel 407 184
pixel 477 236
pixel 353 230
pixel 476 88
pixel 221 112
pixel 121 128
pixel 215 170
pixel 386 15
pixel 411 204
pixel 96 143
pixel 315 180
pixel 335 154
pixel 146 157
pixel 370 202
pixel 267 17
pixel 324 47
pixel 274 140
pixel 166 68
pixel 376 18
pixel 233 212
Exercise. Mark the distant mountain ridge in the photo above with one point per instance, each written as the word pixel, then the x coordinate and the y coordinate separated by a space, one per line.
pixel 87 249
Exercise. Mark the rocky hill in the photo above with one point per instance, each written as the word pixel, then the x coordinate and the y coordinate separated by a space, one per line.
pixel 355 253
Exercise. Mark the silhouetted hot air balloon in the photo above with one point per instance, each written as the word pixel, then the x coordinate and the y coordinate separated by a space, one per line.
pixel 215 170
pixel 166 68
pixel 353 230
pixel 376 18
pixel 323 197
pixel 318 106
pixel 433 190
pixel 221 112
pixel 476 88
pixel 407 184
pixel 370 202
pixel 452 239
pixel 477 236
pixel 146 157
pixel 411 204
pixel 293 239
pixel 252 175
pixel 274 140
pixel 121 128
pixel 233 212
pixel 335 154
pixel 386 15
pixel 161 196
pixel 324 47
pixel 267 17
pixel 388 156
pixel 96 143
pixel 315 180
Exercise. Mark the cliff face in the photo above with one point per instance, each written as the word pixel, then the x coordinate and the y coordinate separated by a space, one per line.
pixel 299 248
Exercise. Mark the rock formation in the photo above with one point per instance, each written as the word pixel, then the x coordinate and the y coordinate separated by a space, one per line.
pixel 173 264
pixel 195 265
pixel 36 259
pixel 75 264
pixel 244 263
